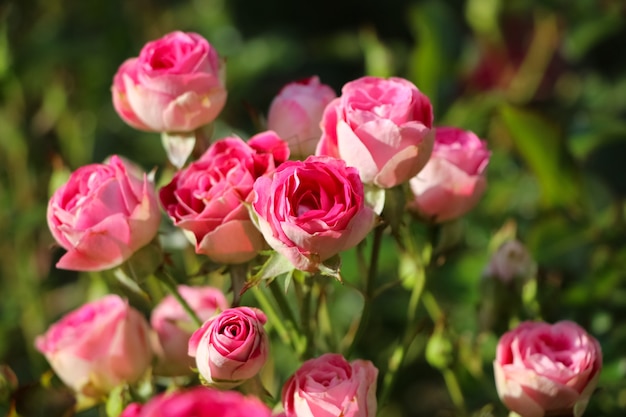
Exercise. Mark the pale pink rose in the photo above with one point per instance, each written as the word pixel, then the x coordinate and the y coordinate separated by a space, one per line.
pixel 173 86
pixel 206 199
pixel 453 181
pixel 173 327
pixel 230 347
pixel 296 112
pixel 103 214
pixel 199 402
pixel 99 346
pixel 330 386
pixel 380 126
pixel 511 260
pixel 545 370
pixel 311 210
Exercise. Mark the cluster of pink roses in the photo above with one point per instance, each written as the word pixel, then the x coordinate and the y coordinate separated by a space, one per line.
pixel 240 197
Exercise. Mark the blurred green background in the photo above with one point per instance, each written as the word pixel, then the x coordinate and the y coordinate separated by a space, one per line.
pixel 544 82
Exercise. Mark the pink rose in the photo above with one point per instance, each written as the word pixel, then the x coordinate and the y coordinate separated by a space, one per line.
pixel 173 327
pixel 329 386
pixel 296 112
pixel 544 369
pixel 173 86
pixel 311 210
pixel 102 215
pixel 99 346
pixel 206 199
pixel 230 347
pixel 199 402
pixel 454 179
pixel 382 127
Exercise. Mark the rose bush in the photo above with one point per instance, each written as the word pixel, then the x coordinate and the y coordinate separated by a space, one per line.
pixel 547 370
pixel 454 179
pixel 173 86
pixel 173 327
pixel 330 386
pixel 296 112
pixel 311 210
pixel 199 402
pixel 99 346
pixel 230 347
pixel 207 198
pixel 380 126
pixel 102 215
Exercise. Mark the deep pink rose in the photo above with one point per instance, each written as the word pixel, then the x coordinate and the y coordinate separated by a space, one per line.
pixel 206 199
pixel 173 86
pixel 544 369
pixel 199 402
pixel 296 112
pixel 454 179
pixel 230 347
pixel 98 346
pixel 173 327
pixel 330 386
pixel 103 214
pixel 311 210
pixel 380 126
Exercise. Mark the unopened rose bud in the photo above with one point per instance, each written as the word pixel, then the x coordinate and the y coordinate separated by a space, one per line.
pixel 511 260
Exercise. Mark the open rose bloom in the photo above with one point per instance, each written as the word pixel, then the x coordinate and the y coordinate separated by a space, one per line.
pixel 99 346
pixel 330 386
pixel 230 347
pixel 199 402
pixel 207 199
pixel 173 86
pixel 103 214
pixel 380 126
pixel 547 370
pixel 311 210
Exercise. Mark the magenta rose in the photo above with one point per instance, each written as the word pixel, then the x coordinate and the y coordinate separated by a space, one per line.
pixel 199 402
pixel 173 86
pixel 207 198
pixel 99 346
pixel 311 210
pixel 330 386
pixel 380 126
pixel 453 181
pixel 173 327
pixel 547 370
pixel 230 347
pixel 296 112
pixel 103 214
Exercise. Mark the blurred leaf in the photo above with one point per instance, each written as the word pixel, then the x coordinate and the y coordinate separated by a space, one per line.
pixel 378 60
pixel 539 143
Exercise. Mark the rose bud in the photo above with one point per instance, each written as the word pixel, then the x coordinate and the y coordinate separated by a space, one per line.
pixel 199 402
pixel 103 214
pixel 207 198
pixel 99 346
pixel 173 327
pixel 547 370
pixel 380 126
pixel 296 112
pixel 454 179
pixel 173 86
pixel 330 386
pixel 511 260
pixel 311 210
pixel 230 347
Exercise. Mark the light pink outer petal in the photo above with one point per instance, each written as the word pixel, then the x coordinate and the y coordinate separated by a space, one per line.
pixel 193 109
pixel 233 242
pixel 120 99
pixel 355 153
pixel 514 397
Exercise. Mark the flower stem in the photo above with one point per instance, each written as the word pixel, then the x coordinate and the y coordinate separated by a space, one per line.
pixel 369 289
pixel 171 285
pixel 305 318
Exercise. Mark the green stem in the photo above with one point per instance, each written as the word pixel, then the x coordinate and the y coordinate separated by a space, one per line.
pixel 454 389
pixel 369 289
pixel 305 318
pixel 285 335
pixel 172 286
pixel 283 304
